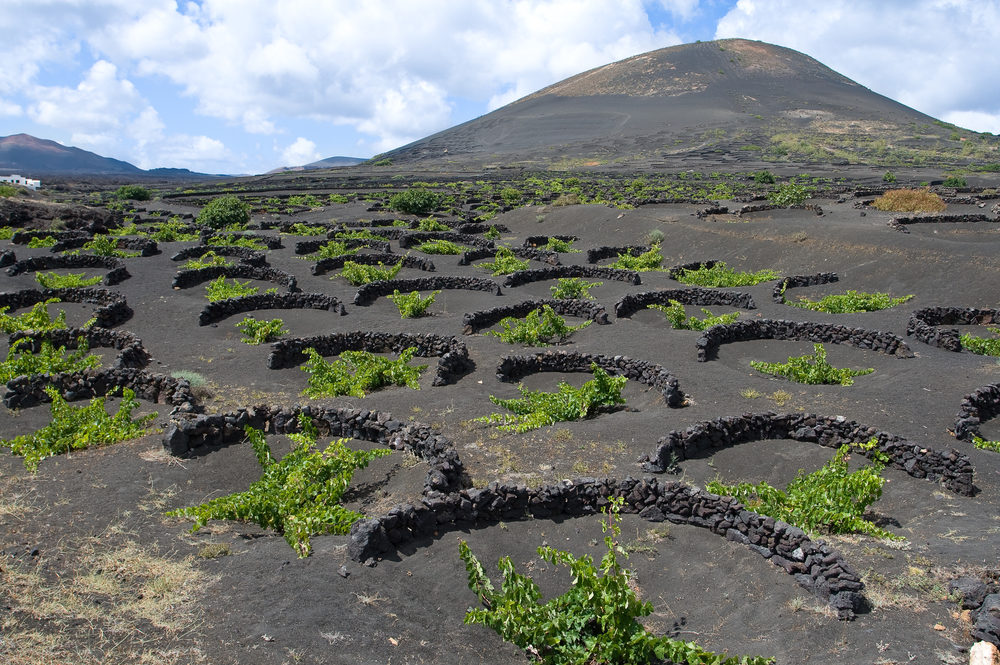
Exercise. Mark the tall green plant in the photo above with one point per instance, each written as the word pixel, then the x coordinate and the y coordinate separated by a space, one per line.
pixel 505 263
pixel 361 273
pixel 411 305
pixel 811 369
pixel 48 360
pixel 721 275
pixel 358 372
pixel 37 318
pixel 678 318
pixel 298 496
pixel 570 288
pixel 649 260
pixel 539 328
pixel 850 302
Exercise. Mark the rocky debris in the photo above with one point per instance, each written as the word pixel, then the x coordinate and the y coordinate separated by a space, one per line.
pixel 923 324
pixel 557 272
pixel 980 405
pixel 222 309
pixel 132 353
pixel 113 310
pixel 797 281
pixel 900 223
pixel 116 274
pixel 25 391
pixel 596 254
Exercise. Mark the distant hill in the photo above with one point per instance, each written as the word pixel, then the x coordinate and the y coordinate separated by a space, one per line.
pixel 730 100
pixel 34 157
pixel 328 163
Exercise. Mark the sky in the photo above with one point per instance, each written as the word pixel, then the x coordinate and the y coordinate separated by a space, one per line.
pixel 245 86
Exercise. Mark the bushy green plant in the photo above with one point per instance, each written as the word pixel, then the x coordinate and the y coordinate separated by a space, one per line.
pixel 557 245
pixel 852 301
pixel 338 198
pixel 224 211
pixel 504 262
pixel 220 289
pixel 234 240
pixel 415 201
pixel 172 231
pixel 536 408
pixel 298 496
pixel 255 331
pixel 359 234
pixel 333 248
pixel 37 318
pixel 6 191
pixel 48 360
pixel 493 233
pixel 594 621
pixel 411 305
pixel 510 195
pixel 299 229
pixel 207 260
pixel 358 372
pixel 647 261
pixel 721 275
pixel 445 247
pixel 983 444
pixel 889 177
pixel 105 245
pixel 306 200
pixel 6 232
pixel 811 369
pixel 431 224
pixel 133 193
pixel 832 499
pixel 985 346
pixel 361 273
pixel 74 280
pixel 38 243
pixel 539 328
pixel 76 428
pixel 570 288
pixel 679 319
pixel 763 178
pixel 129 230
pixel 789 194
pixel 955 181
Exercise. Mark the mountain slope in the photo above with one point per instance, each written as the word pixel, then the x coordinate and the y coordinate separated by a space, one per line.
pixel 25 153
pixel 728 100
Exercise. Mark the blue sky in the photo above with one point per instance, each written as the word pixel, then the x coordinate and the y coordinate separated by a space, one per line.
pixel 244 86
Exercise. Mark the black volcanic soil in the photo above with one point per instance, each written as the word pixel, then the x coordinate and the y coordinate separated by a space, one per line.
pixel 260 604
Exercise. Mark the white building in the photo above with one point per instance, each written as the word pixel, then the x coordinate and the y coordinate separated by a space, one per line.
pixel 21 180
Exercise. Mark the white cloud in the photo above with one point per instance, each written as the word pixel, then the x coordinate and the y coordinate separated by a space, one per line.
pixel 682 9
pixel 982 122
pixel 934 55
pixel 301 152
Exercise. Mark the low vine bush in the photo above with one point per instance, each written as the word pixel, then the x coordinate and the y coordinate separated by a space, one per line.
pixel 789 194
pixel 360 273
pixel 76 428
pixel 721 275
pixel 74 280
pixel 38 243
pixel 985 346
pixel 431 224
pixel 234 240
pixel 359 234
pixel 594 621
pixel 678 318
pixel 256 332
pixel 48 360
pixel 37 318
pixel 415 201
pixel 505 263
pixel 106 245
pixel 984 444
pixel 411 305
pixel 333 249
pixel 647 261
pixel 561 246
pixel 444 247
pixel 172 231
pixel 537 408
pixel 850 302
pixel 220 289
pixel 573 288
pixel 832 499
pixel 298 496
pixel 811 369
pixel 539 328
pixel 207 260
pixel 300 229
pixel 358 372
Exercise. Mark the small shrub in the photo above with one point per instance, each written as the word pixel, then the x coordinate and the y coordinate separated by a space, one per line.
pixel 6 191
pixel 37 318
pixel 909 200
pixel 415 201
pixel 983 444
pixel 172 231
pixel 568 199
pixel 360 273
pixel 305 200
pixel 679 319
pixel 299 229
pixel 74 280
pixel 298 496
pixel 557 245
pixel 48 360
pixel 536 408
pixel 38 243
pixel 260 332
pixel 333 249
pixel 233 240
pixel 595 621
pixel 789 194
pixel 539 328
pixel 655 237
pixel 811 369
pixel 358 372
pixel 570 288
pixel 505 263
pixel 431 224
pixel 647 261
pixel 76 428
pixel 6 232
pixel 385 161
pixel 359 234
pixel 763 178
pixel 510 196
pixel 220 289
pixel 721 275
pixel 829 500
pixel 445 247
pixel 985 346
pixel 105 245
pixel 889 177
pixel 338 198
pixel 133 193
pixel 493 233
pixel 955 181
pixel 411 305
pixel 224 211
pixel 207 260
pixel 852 301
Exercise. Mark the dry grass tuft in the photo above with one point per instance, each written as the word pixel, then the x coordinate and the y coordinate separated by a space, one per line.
pixel 909 200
